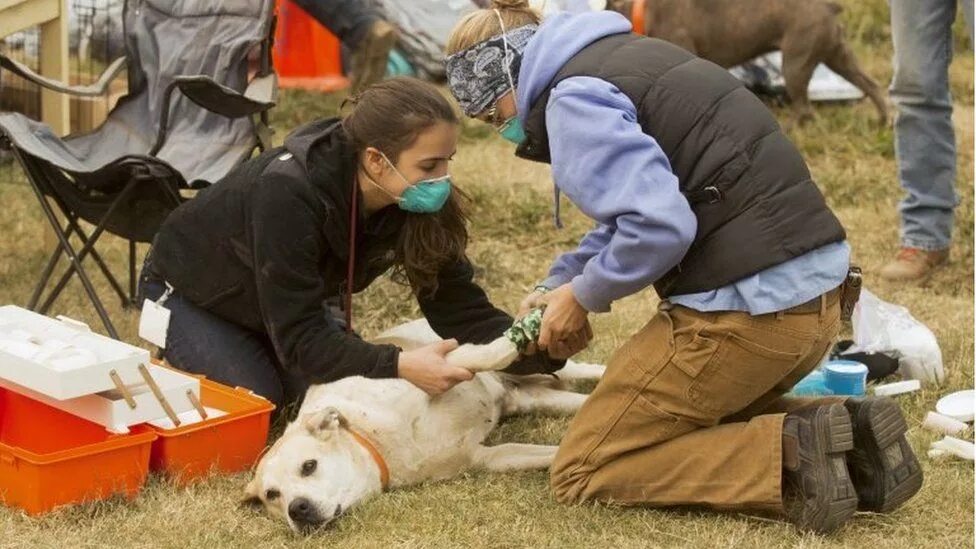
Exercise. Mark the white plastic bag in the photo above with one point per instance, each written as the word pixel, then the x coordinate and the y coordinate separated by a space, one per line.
pixel 881 327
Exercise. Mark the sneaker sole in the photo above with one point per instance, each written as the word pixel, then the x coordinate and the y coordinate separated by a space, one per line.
pixel 835 437
pixel 883 465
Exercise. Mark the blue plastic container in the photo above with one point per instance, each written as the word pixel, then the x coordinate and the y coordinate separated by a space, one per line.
pixel 845 377
pixel 814 384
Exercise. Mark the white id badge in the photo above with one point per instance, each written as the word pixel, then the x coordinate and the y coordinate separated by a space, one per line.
pixel 154 321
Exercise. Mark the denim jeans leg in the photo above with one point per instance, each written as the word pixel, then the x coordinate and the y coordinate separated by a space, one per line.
pixel 924 138
pixel 349 20
pixel 199 342
pixel 967 13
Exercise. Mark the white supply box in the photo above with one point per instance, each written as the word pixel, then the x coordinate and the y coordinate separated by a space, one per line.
pixel 64 365
pixel 62 359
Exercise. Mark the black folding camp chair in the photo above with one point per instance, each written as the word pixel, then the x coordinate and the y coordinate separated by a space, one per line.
pixel 128 174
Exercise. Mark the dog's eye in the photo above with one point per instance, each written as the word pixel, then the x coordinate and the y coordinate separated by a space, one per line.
pixel 272 495
pixel 309 467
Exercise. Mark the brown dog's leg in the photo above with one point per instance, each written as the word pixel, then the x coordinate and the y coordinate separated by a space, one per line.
pixel 798 64
pixel 843 62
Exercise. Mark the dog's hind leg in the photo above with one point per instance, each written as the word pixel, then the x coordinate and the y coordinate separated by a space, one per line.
pixel 534 397
pixel 513 457
pixel 843 62
pixel 580 371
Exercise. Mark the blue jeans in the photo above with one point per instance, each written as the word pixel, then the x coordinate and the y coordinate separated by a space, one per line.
pixel 925 143
pixel 349 20
pixel 200 342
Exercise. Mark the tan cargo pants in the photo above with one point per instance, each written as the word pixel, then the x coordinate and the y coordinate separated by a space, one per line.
pixel 690 410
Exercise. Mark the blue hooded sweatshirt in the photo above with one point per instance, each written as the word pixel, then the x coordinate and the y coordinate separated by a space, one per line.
pixel 619 176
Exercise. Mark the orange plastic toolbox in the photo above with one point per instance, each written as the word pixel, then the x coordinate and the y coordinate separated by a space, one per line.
pixel 225 444
pixel 49 457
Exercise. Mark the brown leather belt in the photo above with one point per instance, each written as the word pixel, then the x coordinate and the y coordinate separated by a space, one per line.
pixel 813 306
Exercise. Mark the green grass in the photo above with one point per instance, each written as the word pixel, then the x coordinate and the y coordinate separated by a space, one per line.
pixel 513 243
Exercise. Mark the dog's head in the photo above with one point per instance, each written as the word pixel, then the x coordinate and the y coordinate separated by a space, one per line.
pixel 313 474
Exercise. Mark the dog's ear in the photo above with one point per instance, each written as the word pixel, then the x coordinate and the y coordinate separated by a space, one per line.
pixel 322 424
pixel 251 499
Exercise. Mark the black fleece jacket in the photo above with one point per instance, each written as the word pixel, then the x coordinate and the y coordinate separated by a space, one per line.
pixel 268 245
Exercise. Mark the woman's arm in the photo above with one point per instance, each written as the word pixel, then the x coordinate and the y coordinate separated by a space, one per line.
pixel 570 264
pixel 619 176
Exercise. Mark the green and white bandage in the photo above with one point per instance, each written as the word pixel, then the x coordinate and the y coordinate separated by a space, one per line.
pixel 525 330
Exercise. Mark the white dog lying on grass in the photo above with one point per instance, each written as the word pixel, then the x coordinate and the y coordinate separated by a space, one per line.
pixel 355 437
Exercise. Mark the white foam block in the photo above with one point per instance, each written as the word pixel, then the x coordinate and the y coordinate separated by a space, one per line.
pixel 943 424
pixel 898 388
pixel 953 446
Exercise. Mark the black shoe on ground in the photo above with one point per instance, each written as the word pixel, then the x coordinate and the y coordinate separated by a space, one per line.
pixel 882 464
pixel 818 494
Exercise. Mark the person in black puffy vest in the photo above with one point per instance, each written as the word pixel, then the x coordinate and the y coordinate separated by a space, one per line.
pixel 694 190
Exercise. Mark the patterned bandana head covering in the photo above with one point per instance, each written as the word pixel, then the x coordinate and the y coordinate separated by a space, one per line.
pixel 479 75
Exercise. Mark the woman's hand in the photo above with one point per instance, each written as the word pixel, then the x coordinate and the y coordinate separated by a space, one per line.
pixel 530 302
pixel 427 368
pixel 565 326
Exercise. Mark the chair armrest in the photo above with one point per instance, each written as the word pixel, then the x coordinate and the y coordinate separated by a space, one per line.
pixel 259 96
pixel 95 89
pixel 206 92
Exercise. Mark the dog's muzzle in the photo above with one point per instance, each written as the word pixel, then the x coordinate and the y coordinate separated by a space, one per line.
pixel 307 517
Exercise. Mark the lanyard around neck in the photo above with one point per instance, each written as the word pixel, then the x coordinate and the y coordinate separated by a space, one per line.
pixel 351 267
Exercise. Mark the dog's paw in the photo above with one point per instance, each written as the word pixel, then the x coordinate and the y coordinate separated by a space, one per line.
pixel 580 371
pixel 491 357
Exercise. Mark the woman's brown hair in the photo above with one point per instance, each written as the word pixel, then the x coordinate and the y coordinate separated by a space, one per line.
pixel 389 116
pixel 481 25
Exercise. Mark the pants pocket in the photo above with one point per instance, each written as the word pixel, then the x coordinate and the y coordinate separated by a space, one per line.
pixel 740 371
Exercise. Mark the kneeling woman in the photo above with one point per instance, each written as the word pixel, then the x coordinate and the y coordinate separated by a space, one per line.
pixel 253 260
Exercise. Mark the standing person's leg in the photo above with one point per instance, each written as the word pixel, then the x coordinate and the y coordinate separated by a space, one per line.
pixel 360 26
pixel 925 144
pixel 650 432
pixel 967 13
pixel 199 342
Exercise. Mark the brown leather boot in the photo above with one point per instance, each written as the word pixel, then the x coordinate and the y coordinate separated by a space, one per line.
pixel 369 60
pixel 818 494
pixel 913 264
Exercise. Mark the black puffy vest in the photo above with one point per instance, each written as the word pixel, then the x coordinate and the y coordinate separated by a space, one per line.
pixel 750 189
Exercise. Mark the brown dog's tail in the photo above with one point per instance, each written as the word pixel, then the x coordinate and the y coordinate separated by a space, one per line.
pixel 835 8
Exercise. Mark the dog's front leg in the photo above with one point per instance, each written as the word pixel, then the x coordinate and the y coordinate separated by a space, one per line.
pixel 491 357
pixel 514 457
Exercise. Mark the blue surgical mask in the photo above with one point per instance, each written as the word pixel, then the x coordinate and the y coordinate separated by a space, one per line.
pixel 427 196
pixel 424 196
pixel 512 130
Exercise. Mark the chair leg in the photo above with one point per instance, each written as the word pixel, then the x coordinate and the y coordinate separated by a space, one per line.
pixel 89 248
pixel 132 273
pixel 75 265
pixel 48 271
pixel 82 255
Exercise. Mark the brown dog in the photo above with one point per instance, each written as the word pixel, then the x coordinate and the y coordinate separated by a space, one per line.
pixel 730 32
